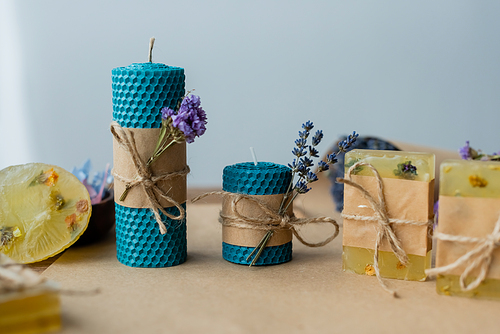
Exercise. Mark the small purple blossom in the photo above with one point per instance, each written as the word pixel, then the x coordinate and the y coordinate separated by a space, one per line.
pixel 313 152
pixel 301 187
pixel 322 166
pixel 311 177
pixel 331 158
pixel 465 151
pixel 316 139
pixel 300 143
pixel 298 152
pixel 190 119
pixel 308 126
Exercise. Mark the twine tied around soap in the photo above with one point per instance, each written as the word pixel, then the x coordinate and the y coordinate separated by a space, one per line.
pixel 479 257
pixel 384 223
pixel 272 222
pixel 145 178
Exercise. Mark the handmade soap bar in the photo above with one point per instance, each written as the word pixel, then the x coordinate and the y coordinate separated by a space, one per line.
pixel 43 210
pixel 267 182
pixel 408 189
pixel 28 304
pixel 469 211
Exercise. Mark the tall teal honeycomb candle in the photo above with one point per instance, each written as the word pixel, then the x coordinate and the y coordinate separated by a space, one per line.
pixel 140 91
pixel 267 182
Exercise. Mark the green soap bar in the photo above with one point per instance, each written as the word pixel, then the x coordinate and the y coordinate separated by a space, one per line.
pixel 386 163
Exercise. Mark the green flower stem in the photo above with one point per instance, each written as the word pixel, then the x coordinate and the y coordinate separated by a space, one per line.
pixel 290 202
pixel 287 194
pixel 262 244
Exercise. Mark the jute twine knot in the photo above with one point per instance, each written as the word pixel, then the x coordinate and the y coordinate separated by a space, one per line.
pixel 479 257
pixel 384 223
pixel 145 178
pixel 272 220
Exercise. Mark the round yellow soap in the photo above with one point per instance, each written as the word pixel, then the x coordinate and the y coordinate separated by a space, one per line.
pixel 44 209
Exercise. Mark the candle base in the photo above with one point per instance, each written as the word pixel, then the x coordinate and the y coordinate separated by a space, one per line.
pixel 139 242
pixel 269 256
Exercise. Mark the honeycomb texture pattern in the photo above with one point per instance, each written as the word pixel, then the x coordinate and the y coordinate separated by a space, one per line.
pixel 140 91
pixel 139 242
pixel 266 178
pixel 270 255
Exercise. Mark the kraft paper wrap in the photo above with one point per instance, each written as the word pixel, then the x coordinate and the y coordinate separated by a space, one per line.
pixel 248 237
pixel 172 160
pixel 405 199
pixel 469 217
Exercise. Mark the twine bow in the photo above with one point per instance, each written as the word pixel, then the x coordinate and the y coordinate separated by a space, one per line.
pixel 145 177
pixel 384 223
pixel 478 258
pixel 272 221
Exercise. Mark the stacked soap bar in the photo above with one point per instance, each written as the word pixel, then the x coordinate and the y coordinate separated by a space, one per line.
pixel 28 304
pixel 408 188
pixel 469 206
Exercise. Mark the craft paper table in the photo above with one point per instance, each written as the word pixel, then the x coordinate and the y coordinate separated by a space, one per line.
pixel 206 294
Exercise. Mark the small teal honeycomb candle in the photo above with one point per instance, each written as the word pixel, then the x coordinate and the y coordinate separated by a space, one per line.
pixel 267 182
pixel 140 91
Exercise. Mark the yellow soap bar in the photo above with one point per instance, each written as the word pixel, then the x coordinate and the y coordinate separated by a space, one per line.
pixel 469 205
pixel 408 180
pixel 43 210
pixel 28 302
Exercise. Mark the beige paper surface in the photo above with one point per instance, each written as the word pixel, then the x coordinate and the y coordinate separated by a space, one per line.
pixel 248 237
pixel 206 294
pixel 172 160
pixel 469 217
pixel 405 199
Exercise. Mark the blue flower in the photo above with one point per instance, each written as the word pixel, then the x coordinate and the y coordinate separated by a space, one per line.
pixel 307 162
pixel 303 134
pixel 316 139
pixel 301 187
pixel 300 143
pixel 322 166
pixel 331 158
pixel 294 166
pixel 313 152
pixel 308 126
pixel 298 152
pixel 311 177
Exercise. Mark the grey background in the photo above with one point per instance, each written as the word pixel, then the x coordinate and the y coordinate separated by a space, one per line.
pixel 423 72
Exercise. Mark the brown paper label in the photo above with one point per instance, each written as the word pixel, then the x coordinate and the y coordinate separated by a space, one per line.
pixel 172 160
pixel 245 236
pixel 405 199
pixel 468 217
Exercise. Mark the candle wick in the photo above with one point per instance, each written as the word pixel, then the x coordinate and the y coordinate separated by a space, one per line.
pixel 253 156
pixel 151 44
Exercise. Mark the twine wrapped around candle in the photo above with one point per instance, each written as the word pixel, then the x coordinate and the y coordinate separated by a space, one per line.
pixel 478 258
pixel 272 222
pixel 145 178
pixel 381 218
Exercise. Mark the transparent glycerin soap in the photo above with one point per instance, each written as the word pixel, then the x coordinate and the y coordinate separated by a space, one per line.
pixel 469 206
pixel 408 187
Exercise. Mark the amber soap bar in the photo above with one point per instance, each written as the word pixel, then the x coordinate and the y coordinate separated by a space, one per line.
pixel 28 303
pixel 469 206
pixel 408 181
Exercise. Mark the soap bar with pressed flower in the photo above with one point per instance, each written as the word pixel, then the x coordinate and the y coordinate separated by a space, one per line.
pixel 408 188
pixel 28 303
pixel 469 206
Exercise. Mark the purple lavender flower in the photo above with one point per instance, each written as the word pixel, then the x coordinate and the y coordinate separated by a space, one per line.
pixel 298 152
pixel 322 166
pixel 313 152
pixel 316 139
pixel 465 151
pixel 301 187
pixel 331 158
pixel 308 126
pixel 190 119
pixel 300 143
pixel 311 177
